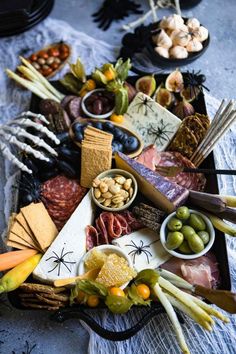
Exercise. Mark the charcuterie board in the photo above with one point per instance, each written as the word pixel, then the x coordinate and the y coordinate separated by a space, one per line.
pixel 54 193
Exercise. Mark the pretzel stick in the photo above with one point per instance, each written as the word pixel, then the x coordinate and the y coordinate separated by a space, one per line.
pixel 210 147
pixel 215 120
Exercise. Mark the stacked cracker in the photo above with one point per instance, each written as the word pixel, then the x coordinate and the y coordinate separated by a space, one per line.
pixel 32 227
pixel 40 296
pixel 96 155
pixel 190 134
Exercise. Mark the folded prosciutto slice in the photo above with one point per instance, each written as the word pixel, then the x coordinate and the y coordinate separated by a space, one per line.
pixel 200 271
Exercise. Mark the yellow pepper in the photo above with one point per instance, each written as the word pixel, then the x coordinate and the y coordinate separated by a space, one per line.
pixel 16 276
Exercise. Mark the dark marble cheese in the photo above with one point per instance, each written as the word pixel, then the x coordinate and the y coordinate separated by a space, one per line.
pixel 163 193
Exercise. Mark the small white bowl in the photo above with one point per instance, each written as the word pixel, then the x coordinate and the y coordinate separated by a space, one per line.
pixel 112 173
pixel 91 115
pixel 210 229
pixel 107 249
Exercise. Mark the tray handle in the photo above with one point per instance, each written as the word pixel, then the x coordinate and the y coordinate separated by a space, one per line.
pixel 69 313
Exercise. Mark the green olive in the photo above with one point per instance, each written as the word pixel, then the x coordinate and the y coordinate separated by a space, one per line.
pixel 174 240
pixel 184 248
pixel 195 243
pixel 197 222
pixel 174 224
pixel 187 231
pixel 183 213
pixel 204 235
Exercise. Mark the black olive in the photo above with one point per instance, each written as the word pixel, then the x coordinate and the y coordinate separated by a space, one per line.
pixel 77 127
pixel 98 125
pixel 117 146
pixel 131 144
pixel 63 137
pixel 108 126
pixel 118 133
pixel 67 169
pixel 79 136
pixel 69 154
pixel 124 138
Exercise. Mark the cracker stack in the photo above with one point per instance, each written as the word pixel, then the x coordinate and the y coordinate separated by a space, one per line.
pixel 32 227
pixel 190 134
pixel 96 155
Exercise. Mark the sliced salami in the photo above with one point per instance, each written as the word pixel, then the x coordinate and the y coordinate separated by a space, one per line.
pixel 91 237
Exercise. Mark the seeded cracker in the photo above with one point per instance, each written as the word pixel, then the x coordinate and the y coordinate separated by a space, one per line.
pixel 196 127
pixel 184 142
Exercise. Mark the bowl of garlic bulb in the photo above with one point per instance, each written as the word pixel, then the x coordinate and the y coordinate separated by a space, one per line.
pixel 178 40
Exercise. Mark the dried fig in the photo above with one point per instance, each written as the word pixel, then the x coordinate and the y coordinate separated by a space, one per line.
pixel 146 84
pixel 175 81
pixel 183 109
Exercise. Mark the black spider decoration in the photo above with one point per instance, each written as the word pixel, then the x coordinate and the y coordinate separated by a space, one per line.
pixel 144 102
pixel 140 249
pixel 28 349
pixel 60 260
pixel 30 189
pixel 194 82
pixel 160 132
pixel 113 10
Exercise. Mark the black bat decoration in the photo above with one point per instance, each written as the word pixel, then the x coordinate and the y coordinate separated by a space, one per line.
pixel 114 10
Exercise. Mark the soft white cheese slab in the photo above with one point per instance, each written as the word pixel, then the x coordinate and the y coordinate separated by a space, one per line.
pixel 144 248
pixel 154 123
pixel 71 238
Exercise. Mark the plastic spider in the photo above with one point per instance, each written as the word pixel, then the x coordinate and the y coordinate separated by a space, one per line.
pixel 144 102
pixel 194 82
pixel 139 250
pixel 60 260
pixel 160 132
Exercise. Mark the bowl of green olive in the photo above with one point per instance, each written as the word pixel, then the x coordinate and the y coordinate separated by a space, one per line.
pixel 187 233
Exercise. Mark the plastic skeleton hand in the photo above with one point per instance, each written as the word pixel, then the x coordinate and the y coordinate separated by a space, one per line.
pixel 12 131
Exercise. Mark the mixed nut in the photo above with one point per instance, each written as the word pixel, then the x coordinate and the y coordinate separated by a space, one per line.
pixel 46 61
pixel 113 192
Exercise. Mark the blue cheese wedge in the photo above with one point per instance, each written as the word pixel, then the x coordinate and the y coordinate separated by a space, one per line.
pixel 63 256
pixel 154 123
pixel 144 248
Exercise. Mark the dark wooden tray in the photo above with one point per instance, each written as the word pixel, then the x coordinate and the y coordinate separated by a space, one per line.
pixel 219 248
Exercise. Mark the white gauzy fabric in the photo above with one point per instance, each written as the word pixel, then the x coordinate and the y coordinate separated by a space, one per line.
pixel 157 336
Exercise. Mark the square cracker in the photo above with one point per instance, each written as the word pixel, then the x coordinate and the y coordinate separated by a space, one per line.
pixel 16 245
pixel 15 238
pixel 21 220
pixel 18 230
pixel 40 224
pixel 94 160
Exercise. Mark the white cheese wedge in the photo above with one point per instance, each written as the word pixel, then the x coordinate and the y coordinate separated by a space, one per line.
pixel 69 245
pixel 144 248
pixel 154 123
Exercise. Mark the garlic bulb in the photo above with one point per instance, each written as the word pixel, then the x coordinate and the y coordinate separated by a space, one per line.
pixel 194 45
pixel 162 51
pixel 180 37
pixel 162 40
pixel 178 52
pixel 203 33
pixel 174 22
pixel 193 23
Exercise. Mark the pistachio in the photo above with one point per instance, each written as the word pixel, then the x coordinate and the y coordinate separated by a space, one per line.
pixel 117 200
pixel 114 189
pixel 97 193
pixel 127 184
pixel 107 202
pixel 96 182
pixel 131 192
pixel 120 179
pixel 101 200
pixel 103 187
pixel 107 195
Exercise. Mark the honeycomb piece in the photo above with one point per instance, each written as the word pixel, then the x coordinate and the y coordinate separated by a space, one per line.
pixel 95 260
pixel 115 271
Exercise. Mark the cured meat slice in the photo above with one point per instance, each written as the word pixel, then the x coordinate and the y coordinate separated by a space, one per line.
pixel 91 237
pixel 151 158
pixel 201 271
pixel 61 196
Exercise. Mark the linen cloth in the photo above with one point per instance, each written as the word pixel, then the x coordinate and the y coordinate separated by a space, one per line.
pixel 157 337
